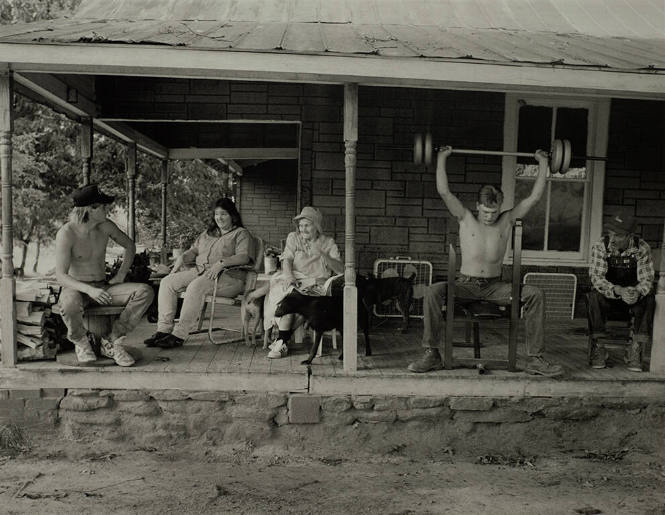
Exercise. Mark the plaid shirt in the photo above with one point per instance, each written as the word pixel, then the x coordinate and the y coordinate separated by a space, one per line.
pixel 598 266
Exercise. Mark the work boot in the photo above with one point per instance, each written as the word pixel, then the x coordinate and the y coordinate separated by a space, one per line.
pixel 537 365
pixel 599 355
pixel 115 351
pixel 633 357
pixel 84 353
pixel 170 341
pixel 152 341
pixel 431 360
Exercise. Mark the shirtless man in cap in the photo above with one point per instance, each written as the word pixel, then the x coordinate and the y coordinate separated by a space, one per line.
pixel 483 241
pixel 80 267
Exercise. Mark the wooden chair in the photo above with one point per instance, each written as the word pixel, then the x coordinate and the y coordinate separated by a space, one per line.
pixel 619 328
pixel 252 269
pixel 472 312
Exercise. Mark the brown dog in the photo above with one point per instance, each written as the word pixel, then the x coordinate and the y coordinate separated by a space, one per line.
pixel 251 316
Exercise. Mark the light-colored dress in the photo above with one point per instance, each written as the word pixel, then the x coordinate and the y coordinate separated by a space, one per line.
pixel 311 272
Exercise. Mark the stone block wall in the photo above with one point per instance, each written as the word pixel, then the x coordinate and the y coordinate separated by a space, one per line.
pixel 413 425
pixel 397 207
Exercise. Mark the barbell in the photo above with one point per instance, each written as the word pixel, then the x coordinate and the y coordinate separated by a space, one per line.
pixel 559 156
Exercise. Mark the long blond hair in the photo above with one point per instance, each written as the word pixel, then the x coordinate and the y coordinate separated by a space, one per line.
pixel 80 214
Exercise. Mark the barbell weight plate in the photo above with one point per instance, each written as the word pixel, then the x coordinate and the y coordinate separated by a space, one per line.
pixel 556 156
pixel 567 155
pixel 418 149
pixel 428 149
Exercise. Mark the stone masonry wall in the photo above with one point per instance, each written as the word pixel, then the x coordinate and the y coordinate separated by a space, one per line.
pixel 374 424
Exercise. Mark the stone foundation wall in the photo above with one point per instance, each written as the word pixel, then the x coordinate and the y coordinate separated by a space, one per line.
pixel 338 424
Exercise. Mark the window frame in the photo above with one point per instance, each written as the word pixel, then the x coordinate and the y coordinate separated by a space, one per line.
pixel 597 137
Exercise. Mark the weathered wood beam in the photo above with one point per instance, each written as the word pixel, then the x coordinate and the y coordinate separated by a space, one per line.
pixel 233 153
pixel 86 133
pixel 128 134
pixel 55 92
pixel 131 190
pixel 233 166
pixel 7 282
pixel 365 70
pixel 350 290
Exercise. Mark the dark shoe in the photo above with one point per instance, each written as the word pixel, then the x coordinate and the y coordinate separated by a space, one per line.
pixel 633 357
pixel 152 341
pixel 599 355
pixel 431 360
pixel 538 365
pixel 169 342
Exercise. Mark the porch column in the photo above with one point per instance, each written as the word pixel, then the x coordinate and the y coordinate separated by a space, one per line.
pixel 164 183
pixel 658 336
pixel 350 290
pixel 131 193
pixel 86 149
pixel 7 283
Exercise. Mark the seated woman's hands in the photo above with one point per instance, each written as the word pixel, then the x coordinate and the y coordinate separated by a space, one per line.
pixel 177 264
pixel 214 270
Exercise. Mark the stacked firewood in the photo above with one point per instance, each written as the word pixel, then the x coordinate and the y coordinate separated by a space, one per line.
pixel 40 332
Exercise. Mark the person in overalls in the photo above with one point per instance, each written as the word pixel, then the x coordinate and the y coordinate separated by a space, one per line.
pixel 622 276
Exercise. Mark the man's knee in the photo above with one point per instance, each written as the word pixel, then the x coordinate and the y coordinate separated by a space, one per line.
pixel 70 303
pixel 144 292
pixel 532 294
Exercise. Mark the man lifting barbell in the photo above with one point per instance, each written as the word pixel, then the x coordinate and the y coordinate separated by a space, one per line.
pixel 483 241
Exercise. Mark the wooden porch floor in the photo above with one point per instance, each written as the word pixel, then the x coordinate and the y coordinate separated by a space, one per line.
pixel 198 365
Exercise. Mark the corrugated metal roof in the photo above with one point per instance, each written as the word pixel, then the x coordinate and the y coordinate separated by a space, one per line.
pixel 618 34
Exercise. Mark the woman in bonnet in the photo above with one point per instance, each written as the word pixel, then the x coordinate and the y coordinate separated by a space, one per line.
pixel 308 260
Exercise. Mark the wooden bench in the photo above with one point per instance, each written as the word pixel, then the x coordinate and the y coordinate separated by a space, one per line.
pixel 99 319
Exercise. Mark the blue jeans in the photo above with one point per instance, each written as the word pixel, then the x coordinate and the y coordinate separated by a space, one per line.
pixel 493 290
pixel 136 297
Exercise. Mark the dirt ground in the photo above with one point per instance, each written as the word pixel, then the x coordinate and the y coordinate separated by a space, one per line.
pixel 65 478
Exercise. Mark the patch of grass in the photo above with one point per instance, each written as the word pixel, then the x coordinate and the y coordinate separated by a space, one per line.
pixel 13 439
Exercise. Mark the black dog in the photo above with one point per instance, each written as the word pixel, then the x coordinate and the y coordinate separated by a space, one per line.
pixel 321 314
pixel 379 290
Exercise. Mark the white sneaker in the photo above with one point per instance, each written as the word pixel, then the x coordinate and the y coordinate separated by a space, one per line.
pixel 278 350
pixel 84 352
pixel 117 352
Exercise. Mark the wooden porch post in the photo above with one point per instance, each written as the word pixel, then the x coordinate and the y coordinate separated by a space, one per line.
pixel 86 149
pixel 131 193
pixel 7 283
pixel 164 183
pixel 658 336
pixel 350 290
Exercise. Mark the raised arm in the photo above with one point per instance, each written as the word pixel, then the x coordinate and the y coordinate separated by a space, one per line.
pixel 521 209
pixel 451 201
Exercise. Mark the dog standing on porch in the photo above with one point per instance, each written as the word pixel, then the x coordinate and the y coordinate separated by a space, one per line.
pixel 251 316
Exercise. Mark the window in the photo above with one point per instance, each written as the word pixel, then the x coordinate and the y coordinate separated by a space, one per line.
pixel 568 217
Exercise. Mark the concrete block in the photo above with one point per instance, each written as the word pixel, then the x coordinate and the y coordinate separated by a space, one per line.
pixel 363 401
pixel 304 409
pixel 53 392
pixel 72 403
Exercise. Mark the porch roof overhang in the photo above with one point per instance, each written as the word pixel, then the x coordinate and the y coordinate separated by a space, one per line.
pixel 606 49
